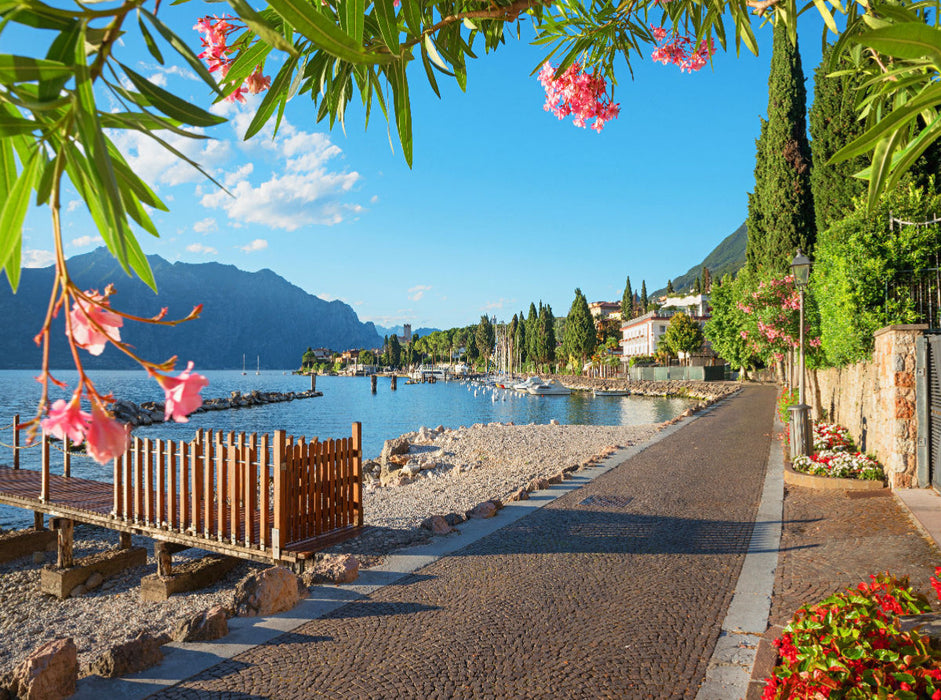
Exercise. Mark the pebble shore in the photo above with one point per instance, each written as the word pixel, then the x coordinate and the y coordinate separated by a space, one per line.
pixel 474 464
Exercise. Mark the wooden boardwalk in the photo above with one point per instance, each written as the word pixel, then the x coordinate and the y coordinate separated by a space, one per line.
pixel 230 495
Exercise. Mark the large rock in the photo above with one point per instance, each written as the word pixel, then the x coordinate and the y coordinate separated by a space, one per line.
pixel 203 627
pixel 268 592
pixel 394 456
pixel 438 525
pixel 487 509
pixel 538 484
pixel 143 651
pixel 333 568
pixel 49 673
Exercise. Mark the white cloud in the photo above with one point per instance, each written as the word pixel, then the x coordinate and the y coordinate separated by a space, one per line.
pixel 74 204
pixel 200 248
pixel 83 241
pixel 38 258
pixel 501 303
pixel 301 191
pixel 158 79
pixel 205 225
pixel 158 166
pixel 257 244
pixel 418 291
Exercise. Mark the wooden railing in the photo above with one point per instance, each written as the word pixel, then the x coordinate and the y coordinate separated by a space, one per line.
pixel 249 491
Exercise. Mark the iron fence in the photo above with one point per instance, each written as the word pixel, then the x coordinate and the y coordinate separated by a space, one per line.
pixel 914 296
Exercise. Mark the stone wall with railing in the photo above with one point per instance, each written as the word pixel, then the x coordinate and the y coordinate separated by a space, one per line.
pixel 875 400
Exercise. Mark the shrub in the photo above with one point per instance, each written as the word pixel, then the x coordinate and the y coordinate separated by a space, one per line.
pixel 851 646
pixel 787 399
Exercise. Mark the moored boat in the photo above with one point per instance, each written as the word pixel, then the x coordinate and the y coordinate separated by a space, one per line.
pixel 550 388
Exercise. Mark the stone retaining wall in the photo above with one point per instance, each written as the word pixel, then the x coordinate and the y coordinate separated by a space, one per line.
pixel 875 400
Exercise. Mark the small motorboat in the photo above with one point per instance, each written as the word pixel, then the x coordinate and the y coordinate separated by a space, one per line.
pixel 612 392
pixel 525 385
pixel 550 388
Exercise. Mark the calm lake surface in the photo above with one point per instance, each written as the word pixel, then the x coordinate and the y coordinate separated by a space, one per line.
pixel 384 415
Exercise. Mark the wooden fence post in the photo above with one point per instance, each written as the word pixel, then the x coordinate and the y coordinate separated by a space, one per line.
pixel 44 484
pixel 64 558
pixel 16 441
pixel 66 457
pixel 280 512
pixel 358 470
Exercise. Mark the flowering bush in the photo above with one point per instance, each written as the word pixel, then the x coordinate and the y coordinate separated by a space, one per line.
pixel 831 436
pixel 787 399
pixel 851 646
pixel 840 464
pixel 772 313
pixel 679 51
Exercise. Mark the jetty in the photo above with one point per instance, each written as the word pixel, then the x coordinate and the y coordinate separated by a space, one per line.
pixel 273 499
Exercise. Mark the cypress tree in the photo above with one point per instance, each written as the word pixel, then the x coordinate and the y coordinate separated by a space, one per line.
pixel 484 338
pixel 546 334
pixel 833 124
pixel 670 289
pixel 627 301
pixel 643 297
pixel 532 334
pixel 519 340
pixel 580 338
pixel 697 286
pixel 706 280
pixel 781 209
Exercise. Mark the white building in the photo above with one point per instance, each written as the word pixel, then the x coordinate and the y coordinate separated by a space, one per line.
pixel 640 335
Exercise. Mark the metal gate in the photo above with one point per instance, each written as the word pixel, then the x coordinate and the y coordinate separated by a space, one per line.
pixel 933 370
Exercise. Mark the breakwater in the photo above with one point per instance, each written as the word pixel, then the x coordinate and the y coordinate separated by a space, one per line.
pixel 150 412
pixel 688 388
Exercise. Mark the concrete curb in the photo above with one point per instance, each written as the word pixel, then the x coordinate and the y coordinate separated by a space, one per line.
pixel 729 671
pixel 183 660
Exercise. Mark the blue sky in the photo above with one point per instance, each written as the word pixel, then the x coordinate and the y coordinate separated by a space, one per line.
pixel 504 205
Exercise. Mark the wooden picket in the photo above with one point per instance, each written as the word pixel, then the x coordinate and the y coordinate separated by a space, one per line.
pixel 259 493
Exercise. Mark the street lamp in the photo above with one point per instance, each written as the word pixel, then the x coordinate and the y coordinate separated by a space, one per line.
pixel 801 440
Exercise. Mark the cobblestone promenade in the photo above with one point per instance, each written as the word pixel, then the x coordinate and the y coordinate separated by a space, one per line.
pixel 615 590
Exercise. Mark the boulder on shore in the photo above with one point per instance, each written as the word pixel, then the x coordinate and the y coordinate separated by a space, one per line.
pixel 268 592
pixel 49 673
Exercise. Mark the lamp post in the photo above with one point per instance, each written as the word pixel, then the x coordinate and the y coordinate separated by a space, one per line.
pixel 801 436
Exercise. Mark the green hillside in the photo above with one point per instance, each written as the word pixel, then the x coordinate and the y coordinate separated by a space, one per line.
pixel 727 257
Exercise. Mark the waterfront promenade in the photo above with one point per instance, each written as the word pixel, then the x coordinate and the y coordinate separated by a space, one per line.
pixel 617 589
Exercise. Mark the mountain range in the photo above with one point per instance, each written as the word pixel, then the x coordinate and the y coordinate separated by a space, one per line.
pixel 727 257
pixel 256 315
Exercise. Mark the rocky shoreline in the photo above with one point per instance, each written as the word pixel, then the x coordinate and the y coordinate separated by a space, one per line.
pixel 451 474
pixel 150 412
pixel 705 391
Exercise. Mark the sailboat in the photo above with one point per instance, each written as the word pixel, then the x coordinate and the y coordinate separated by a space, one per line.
pixel 258 364
pixel 243 364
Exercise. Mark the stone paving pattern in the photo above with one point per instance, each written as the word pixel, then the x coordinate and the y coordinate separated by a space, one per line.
pixel 620 598
pixel 833 540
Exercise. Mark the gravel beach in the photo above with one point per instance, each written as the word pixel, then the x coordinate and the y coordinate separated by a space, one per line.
pixel 471 465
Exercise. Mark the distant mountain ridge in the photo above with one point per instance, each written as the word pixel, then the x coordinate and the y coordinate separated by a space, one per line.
pixel 726 258
pixel 258 315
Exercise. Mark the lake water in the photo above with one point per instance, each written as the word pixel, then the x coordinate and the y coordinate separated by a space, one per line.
pixel 384 415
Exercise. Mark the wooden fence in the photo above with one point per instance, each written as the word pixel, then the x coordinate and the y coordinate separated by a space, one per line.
pixel 259 493
pixel 248 492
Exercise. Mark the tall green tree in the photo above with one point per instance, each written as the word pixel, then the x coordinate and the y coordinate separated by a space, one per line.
pixel 308 359
pixel 706 280
pixel 682 335
pixel 545 336
pixel 395 351
pixel 834 123
pixel 519 340
pixel 781 207
pixel 532 333
pixel 697 286
pixel 627 301
pixel 643 297
pixel 580 337
pixel 670 289
pixel 484 338
pixel 726 327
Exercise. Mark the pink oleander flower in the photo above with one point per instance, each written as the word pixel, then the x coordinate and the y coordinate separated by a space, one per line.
pixel 257 82
pixel 583 95
pixel 182 393
pixel 66 420
pixel 678 51
pixel 238 95
pixel 659 33
pixel 92 324
pixel 106 437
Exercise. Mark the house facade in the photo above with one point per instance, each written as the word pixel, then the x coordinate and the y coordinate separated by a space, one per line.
pixel 605 309
pixel 641 335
